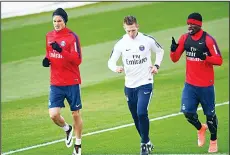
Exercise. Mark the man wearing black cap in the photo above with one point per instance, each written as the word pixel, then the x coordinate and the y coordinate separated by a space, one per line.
pixel 63 56
pixel 202 53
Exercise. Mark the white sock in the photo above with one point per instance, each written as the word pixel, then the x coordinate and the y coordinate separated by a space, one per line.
pixel 65 127
pixel 147 143
pixel 78 141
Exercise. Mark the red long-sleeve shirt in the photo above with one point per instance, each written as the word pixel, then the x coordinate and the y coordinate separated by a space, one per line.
pixel 64 68
pixel 198 72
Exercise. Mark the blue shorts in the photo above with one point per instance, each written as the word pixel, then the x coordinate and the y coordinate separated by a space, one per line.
pixel 193 95
pixel 139 98
pixel 71 93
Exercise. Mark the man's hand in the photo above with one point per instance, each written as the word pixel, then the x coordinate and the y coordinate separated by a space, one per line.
pixel 200 54
pixel 56 47
pixel 154 70
pixel 45 62
pixel 119 69
pixel 174 45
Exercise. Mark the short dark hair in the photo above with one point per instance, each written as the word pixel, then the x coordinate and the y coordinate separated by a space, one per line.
pixel 130 20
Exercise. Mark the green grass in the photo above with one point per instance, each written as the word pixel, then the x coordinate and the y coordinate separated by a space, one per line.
pixel 25 118
pixel 166 136
pixel 105 100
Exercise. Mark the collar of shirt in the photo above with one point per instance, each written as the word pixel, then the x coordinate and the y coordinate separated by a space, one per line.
pixel 62 31
pixel 136 38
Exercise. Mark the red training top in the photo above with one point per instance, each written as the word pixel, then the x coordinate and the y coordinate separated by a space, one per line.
pixel 198 72
pixel 64 68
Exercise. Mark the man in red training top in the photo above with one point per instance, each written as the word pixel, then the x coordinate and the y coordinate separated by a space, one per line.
pixel 63 55
pixel 202 53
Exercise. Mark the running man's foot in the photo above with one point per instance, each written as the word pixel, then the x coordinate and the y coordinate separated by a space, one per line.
pixel 69 135
pixel 201 135
pixel 77 150
pixel 213 146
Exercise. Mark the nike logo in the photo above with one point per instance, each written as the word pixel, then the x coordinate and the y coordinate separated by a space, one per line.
pixel 201 42
pixel 146 92
pixel 78 105
pixel 212 110
pixel 128 49
pixel 49 42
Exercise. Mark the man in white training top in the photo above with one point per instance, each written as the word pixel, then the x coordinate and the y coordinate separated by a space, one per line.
pixel 135 49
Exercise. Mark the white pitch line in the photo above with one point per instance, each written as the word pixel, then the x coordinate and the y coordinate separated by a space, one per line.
pixel 101 131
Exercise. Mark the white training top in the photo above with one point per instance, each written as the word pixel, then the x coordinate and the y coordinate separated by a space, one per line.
pixel 136 58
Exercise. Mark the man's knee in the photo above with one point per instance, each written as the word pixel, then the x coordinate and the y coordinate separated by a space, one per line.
pixel 211 118
pixel 76 114
pixel 142 112
pixel 191 117
pixel 142 116
pixel 77 117
pixel 54 114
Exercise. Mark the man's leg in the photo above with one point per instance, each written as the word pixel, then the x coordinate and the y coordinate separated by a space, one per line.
pixel 201 128
pixel 189 106
pixel 207 98
pixel 193 119
pixel 77 121
pixel 73 97
pixel 56 116
pixel 56 102
pixel 144 97
pixel 212 123
pixel 131 97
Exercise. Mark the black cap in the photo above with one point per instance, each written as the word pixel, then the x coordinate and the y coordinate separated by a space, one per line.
pixel 195 16
pixel 61 12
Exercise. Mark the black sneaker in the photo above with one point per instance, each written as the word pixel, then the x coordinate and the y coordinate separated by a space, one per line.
pixel 144 150
pixel 77 150
pixel 69 135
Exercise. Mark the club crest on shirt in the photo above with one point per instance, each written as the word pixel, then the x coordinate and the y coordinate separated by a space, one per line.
pixel 141 47
pixel 63 43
